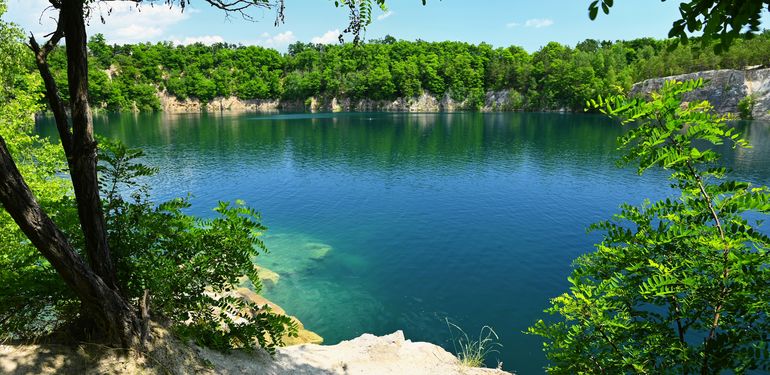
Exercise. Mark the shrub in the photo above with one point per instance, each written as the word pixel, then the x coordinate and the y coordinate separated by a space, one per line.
pixel 190 266
pixel 746 107
pixel 681 285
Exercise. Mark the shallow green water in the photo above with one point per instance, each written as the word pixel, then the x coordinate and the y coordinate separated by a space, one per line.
pixel 383 221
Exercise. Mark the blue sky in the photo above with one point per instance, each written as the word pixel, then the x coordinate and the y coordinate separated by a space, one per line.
pixel 526 23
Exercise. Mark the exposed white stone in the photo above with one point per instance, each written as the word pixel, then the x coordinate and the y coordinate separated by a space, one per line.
pixel 724 89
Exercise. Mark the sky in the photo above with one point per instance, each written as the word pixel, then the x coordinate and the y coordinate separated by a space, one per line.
pixel 527 23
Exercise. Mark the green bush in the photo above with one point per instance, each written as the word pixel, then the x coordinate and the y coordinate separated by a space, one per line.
pixel 33 300
pixel 190 266
pixel 746 107
pixel 681 285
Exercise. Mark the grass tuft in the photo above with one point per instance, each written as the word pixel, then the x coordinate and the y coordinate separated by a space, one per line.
pixel 473 352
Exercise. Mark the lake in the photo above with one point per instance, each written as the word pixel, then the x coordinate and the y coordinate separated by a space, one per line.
pixel 387 221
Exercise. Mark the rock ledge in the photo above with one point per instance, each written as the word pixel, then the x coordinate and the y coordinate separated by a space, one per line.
pixel 366 354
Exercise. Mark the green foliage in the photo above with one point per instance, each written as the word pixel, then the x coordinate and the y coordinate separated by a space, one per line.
pixel 33 300
pixel 473 352
pixel 746 107
pixel 725 20
pixel 679 285
pixel 190 266
pixel 557 76
pixel 360 15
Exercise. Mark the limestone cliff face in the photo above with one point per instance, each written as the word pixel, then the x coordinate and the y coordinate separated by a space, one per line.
pixel 172 104
pixel 494 101
pixel 724 89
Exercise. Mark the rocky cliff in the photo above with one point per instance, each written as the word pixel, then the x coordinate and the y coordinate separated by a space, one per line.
pixel 494 101
pixel 724 89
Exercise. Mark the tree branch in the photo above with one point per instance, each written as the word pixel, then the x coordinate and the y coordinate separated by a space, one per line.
pixel 241 7
pixel 144 309
pixel 678 313
pixel 51 89
pixel 725 268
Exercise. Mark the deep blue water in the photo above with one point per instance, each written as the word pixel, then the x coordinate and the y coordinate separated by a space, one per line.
pixel 382 221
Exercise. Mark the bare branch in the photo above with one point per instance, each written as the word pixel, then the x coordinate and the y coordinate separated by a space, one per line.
pixel 51 89
pixel 240 7
pixel 243 6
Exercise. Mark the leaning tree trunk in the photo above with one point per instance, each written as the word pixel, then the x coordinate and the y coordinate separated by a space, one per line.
pixel 110 316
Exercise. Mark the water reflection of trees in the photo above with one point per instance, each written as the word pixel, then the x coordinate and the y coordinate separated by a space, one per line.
pixel 389 141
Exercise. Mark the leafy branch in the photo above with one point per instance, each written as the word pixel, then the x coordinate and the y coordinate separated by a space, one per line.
pixel 670 271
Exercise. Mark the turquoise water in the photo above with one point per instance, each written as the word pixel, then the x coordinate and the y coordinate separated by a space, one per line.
pixel 382 221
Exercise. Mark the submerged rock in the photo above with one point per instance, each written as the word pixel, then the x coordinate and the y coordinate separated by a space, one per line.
pixel 318 250
pixel 267 276
pixel 304 336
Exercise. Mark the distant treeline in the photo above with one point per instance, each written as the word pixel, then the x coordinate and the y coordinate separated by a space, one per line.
pixel 125 77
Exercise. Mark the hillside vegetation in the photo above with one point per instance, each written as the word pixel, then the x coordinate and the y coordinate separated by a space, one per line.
pixel 129 77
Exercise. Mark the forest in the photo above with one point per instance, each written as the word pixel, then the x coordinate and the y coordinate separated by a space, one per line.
pixel 556 77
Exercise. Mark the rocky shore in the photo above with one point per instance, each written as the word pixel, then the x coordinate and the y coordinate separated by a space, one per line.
pixel 164 354
pixel 494 101
pixel 367 354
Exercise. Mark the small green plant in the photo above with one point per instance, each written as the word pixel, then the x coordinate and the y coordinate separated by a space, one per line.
pixel 746 107
pixel 473 352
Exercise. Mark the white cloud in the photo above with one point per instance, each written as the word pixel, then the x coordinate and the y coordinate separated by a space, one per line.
pixel 137 32
pixel 330 37
pixel 286 37
pixel 534 22
pixel 204 39
pixel 538 22
pixel 124 21
pixel 29 15
pixel 274 41
pixel 385 15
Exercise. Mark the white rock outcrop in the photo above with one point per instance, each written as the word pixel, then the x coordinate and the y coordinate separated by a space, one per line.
pixel 494 101
pixel 724 89
pixel 366 354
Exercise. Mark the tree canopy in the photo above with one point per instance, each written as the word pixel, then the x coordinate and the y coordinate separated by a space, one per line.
pixel 724 20
pixel 557 76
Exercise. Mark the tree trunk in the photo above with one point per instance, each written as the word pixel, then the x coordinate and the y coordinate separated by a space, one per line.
pixel 82 159
pixel 106 315
pixel 113 318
